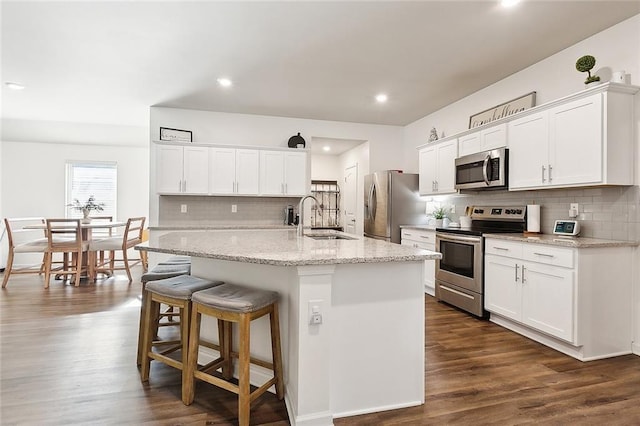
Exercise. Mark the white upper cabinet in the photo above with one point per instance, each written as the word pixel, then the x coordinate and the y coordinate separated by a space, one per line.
pixel 283 173
pixel 483 140
pixel 585 141
pixel 182 169
pixel 234 171
pixel 437 168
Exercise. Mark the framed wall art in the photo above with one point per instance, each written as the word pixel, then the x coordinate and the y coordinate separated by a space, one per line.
pixel 503 110
pixel 175 135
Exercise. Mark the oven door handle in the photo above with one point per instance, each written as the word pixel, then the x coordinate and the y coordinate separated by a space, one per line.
pixel 485 167
pixel 459 238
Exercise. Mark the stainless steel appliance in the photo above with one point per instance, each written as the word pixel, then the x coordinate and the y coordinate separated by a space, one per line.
pixel 483 170
pixel 460 272
pixel 391 199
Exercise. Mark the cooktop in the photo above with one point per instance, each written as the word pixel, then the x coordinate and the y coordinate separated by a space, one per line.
pixel 493 220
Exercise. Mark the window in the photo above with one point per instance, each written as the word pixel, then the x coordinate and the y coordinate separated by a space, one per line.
pixel 85 179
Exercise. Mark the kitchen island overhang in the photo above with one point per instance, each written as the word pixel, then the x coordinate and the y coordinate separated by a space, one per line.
pixel 366 355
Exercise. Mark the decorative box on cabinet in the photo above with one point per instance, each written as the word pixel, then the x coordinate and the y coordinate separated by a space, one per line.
pixel 437 168
pixel 234 171
pixel 582 140
pixel 283 173
pixel 182 169
pixel 575 300
pixel 424 239
pixel 490 138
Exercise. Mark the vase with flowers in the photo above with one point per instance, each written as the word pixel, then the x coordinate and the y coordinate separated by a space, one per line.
pixel 86 207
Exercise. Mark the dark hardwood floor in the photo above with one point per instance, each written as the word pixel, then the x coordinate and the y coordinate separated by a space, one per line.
pixel 68 357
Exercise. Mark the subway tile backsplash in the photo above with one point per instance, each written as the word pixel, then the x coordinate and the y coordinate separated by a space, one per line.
pixel 607 212
pixel 216 211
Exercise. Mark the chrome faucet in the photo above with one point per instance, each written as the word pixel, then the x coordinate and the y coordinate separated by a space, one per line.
pixel 301 213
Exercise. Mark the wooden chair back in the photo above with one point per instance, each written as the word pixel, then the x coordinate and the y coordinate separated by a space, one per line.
pixel 133 232
pixel 64 235
pixel 101 232
pixel 16 234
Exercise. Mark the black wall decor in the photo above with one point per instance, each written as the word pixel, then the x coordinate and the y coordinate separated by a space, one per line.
pixel 297 140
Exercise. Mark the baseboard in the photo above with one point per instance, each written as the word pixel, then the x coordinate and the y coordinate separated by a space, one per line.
pixel 635 348
pixel 378 409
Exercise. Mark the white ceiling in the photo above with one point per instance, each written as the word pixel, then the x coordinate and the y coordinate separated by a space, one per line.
pixel 108 62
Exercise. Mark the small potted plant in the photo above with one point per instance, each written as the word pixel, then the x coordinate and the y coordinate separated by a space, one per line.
pixel 586 64
pixel 86 207
pixel 439 215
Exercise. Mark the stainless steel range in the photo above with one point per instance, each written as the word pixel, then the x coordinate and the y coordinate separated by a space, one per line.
pixel 460 272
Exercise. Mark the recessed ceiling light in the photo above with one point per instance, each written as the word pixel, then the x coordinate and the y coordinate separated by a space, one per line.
pixel 14 86
pixel 381 98
pixel 509 3
pixel 224 82
pixel 326 148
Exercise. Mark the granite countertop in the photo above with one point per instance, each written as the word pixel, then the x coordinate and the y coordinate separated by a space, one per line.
pixel 283 247
pixel 555 240
pixel 213 227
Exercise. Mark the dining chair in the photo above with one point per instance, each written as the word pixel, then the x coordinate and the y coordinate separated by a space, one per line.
pixel 101 233
pixel 133 235
pixel 64 236
pixel 21 240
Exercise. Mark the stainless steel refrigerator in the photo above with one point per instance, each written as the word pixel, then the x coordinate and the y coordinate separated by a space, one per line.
pixel 391 199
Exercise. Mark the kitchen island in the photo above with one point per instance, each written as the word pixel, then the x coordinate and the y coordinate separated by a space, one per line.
pixel 366 354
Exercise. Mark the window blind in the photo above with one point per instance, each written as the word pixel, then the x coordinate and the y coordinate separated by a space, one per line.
pixel 85 179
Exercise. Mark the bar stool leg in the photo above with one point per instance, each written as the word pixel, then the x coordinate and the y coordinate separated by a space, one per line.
pixel 188 385
pixel 244 398
pixel 225 349
pixel 150 326
pixel 185 322
pixel 141 325
pixel 276 351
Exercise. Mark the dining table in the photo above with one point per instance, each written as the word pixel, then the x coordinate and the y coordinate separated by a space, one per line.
pixel 87 229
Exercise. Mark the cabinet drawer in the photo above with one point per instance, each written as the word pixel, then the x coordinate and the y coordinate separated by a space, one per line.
pixel 503 248
pixel 421 235
pixel 556 256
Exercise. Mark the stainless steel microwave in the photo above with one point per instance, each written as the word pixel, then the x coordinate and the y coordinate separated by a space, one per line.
pixel 483 170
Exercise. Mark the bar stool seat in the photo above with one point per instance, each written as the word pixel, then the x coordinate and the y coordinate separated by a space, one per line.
pixel 159 272
pixel 231 303
pixel 175 292
pixel 176 260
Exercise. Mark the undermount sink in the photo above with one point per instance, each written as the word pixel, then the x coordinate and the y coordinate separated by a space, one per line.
pixel 329 237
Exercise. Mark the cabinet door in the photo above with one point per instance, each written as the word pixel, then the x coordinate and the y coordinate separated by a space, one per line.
pixel 502 286
pixel 247 171
pixel 469 144
pixel 271 173
pixel 446 178
pixel 528 151
pixel 548 299
pixel 295 173
pixel 427 168
pixel 169 168
pixel 494 137
pixel 575 142
pixel 196 170
pixel 223 170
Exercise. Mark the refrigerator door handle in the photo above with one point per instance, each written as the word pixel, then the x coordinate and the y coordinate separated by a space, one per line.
pixel 367 206
pixel 373 200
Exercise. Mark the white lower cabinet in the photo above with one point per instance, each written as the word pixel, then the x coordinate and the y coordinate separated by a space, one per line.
pixel 424 239
pixel 574 300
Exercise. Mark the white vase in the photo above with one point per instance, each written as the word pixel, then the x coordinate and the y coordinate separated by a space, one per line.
pixel 439 223
pixel 85 216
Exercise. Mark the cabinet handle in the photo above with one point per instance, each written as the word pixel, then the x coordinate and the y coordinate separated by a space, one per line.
pixel 543 254
pixel 286 188
pixel 433 185
pixel 184 183
pixel 543 169
pixel 501 248
pixel 426 237
pixel 523 280
pixel 437 187
pixel 516 272
pixel 550 168
pixel 180 185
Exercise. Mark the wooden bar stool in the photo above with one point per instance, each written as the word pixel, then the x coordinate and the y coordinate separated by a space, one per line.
pixel 175 292
pixel 159 272
pixel 231 303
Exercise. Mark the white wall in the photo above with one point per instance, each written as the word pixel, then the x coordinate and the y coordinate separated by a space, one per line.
pixel 325 167
pixel 32 173
pixel 616 48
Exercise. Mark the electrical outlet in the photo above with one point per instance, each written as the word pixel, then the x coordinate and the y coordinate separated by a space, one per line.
pixel 234 208
pixel 183 208
pixel 574 209
pixel 315 312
